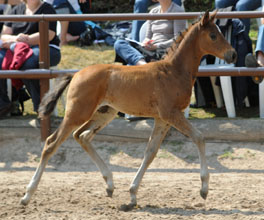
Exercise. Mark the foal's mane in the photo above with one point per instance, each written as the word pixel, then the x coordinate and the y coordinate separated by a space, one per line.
pixel 177 41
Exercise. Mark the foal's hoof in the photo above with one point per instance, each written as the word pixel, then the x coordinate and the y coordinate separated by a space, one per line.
pixel 24 202
pixel 126 208
pixel 109 192
pixel 203 194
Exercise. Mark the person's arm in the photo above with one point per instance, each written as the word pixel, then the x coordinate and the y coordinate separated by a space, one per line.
pixel 32 39
pixel 7 37
pixel 147 42
pixel 148 34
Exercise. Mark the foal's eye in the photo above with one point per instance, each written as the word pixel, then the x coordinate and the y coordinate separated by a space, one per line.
pixel 213 36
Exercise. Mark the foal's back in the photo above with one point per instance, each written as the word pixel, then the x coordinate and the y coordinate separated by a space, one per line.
pixel 138 90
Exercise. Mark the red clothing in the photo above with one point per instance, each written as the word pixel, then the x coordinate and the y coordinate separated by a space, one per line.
pixel 14 60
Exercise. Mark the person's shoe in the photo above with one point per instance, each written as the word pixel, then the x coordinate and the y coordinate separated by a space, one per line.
pixel 5 110
pixel 251 61
pixel 15 110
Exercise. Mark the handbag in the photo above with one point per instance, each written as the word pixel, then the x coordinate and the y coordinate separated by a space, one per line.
pixel 87 37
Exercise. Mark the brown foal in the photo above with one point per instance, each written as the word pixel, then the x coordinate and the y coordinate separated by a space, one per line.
pixel 161 90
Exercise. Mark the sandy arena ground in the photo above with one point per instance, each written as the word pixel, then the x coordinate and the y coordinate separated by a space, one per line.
pixel 72 188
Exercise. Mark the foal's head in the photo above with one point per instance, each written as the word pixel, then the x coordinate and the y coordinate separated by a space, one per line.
pixel 212 41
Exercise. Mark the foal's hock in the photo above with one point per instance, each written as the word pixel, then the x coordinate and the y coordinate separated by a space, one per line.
pixel 161 90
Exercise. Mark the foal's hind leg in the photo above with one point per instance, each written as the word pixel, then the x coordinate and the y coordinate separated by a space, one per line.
pixel 51 145
pixel 177 120
pixel 85 134
pixel 160 130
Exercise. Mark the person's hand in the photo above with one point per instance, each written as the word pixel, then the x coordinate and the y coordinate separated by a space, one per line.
pixel 22 38
pixel 149 45
pixel 262 20
pixel 82 1
pixel 7 44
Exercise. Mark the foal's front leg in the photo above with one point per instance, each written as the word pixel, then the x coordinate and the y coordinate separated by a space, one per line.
pixel 160 130
pixel 177 120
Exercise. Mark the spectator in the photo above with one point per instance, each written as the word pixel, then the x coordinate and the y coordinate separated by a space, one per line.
pixel 84 31
pixel 70 31
pixel 159 35
pixel 27 33
pixel 240 5
pixel 141 6
pixel 258 60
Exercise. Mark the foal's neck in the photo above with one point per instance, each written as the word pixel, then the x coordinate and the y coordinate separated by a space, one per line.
pixel 188 55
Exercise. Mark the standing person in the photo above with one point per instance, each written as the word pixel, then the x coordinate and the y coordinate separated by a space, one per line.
pixel 141 6
pixel 16 33
pixel 159 34
pixel 240 5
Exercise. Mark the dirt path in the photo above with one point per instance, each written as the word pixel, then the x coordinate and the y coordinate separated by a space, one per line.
pixel 72 188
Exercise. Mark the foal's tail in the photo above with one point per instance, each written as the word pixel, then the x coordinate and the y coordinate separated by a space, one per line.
pixel 49 101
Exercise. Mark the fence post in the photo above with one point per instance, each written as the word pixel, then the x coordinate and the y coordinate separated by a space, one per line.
pixel 44 63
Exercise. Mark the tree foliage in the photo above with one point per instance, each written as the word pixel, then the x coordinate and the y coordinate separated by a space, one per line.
pixel 198 5
pixel 125 6
pixel 112 6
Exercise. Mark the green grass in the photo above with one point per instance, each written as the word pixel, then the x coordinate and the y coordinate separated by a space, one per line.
pixel 75 57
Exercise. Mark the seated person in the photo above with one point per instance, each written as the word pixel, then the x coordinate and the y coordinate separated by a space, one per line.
pixel 84 31
pixel 70 31
pixel 141 6
pixel 15 33
pixel 258 60
pixel 159 35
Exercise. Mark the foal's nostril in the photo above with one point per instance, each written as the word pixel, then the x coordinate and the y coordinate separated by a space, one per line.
pixel 230 56
pixel 234 57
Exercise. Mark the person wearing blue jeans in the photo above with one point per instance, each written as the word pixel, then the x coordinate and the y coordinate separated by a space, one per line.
pixel 28 33
pixel 240 5
pixel 258 60
pixel 32 85
pixel 159 35
pixel 141 6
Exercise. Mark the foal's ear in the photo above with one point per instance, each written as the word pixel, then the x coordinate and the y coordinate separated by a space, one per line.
pixel 213 15
pixel 205 19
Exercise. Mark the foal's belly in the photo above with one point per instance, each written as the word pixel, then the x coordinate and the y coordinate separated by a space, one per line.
pixel 134 108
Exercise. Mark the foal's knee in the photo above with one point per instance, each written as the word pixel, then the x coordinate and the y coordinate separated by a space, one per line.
pixel 83 137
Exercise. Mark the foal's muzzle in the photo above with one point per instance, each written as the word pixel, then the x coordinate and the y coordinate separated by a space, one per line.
pixel 230 56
